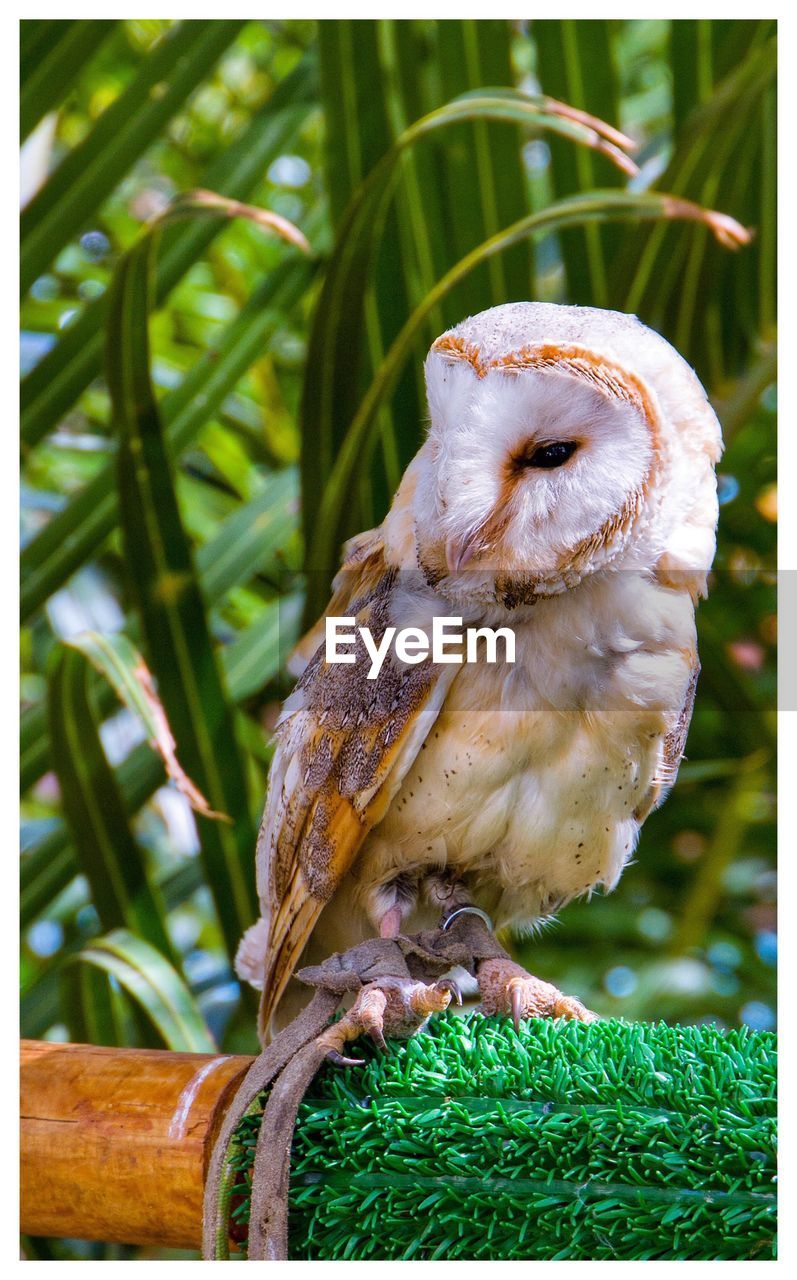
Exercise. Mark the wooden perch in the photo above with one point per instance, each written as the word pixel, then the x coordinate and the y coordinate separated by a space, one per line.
pixel 115 1142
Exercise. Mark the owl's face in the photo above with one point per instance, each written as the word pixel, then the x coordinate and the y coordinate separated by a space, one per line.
pixel 546 459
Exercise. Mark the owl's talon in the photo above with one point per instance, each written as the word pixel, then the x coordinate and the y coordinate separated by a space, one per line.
pixel 448 984
pixel 506 988
pixel 340 1060
pixel 393 1006
pixel 377 1035
pixel 421 1002
pixel 515 1001
pixel 570 1007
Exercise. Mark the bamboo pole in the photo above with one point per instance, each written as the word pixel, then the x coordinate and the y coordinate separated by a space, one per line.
pixel 115 1142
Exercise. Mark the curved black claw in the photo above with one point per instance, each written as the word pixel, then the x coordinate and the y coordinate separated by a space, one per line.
pixel 448 984
pixel 339 1060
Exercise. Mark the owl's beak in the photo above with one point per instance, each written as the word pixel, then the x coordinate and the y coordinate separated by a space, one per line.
pixel 461 551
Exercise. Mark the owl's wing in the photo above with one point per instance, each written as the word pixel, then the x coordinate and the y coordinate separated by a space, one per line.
pixel 345 744
pixel 672 750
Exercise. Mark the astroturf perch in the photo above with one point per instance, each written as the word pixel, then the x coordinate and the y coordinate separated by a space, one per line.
pixel 559 1141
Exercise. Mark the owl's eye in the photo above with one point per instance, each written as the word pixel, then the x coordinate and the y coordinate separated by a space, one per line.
pixel 551 455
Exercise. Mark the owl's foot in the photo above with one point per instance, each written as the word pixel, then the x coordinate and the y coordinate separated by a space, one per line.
pixel 395 1007
pixel 506 988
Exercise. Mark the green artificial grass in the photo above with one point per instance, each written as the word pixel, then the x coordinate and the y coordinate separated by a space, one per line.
pixel 562 1141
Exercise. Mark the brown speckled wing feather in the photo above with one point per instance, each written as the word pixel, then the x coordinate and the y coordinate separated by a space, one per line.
pixel 344 745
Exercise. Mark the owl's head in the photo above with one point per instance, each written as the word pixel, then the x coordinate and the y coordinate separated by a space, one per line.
pixel 563 441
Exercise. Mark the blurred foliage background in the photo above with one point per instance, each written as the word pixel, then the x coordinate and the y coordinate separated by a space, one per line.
pixel 291 399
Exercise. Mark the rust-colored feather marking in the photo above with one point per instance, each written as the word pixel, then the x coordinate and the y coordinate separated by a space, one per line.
pixel 459 349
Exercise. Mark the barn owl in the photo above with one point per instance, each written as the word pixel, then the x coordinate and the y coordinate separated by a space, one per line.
pixel 565 488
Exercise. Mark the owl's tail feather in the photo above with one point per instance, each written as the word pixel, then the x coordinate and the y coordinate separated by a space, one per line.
pixel 290 929
pixel 270 950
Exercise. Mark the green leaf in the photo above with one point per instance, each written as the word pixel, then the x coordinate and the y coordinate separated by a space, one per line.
pixel 75 533
pixel 357 108
pixel 250 541
pixel 125 670
pixel 575 63
pixel 123 132
pixel 91 1005
pixel 482 174
pixel 55 383
pixel 156 987
pixel 168 597
pixel 53 54
pixel 254 657
pixel 249 662
pixel 107 851
pixel 741 399
pixel 41 1001
pixel 702 52
pixel 684 286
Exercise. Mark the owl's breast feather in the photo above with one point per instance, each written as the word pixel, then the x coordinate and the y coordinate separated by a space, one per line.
pixel 529 782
